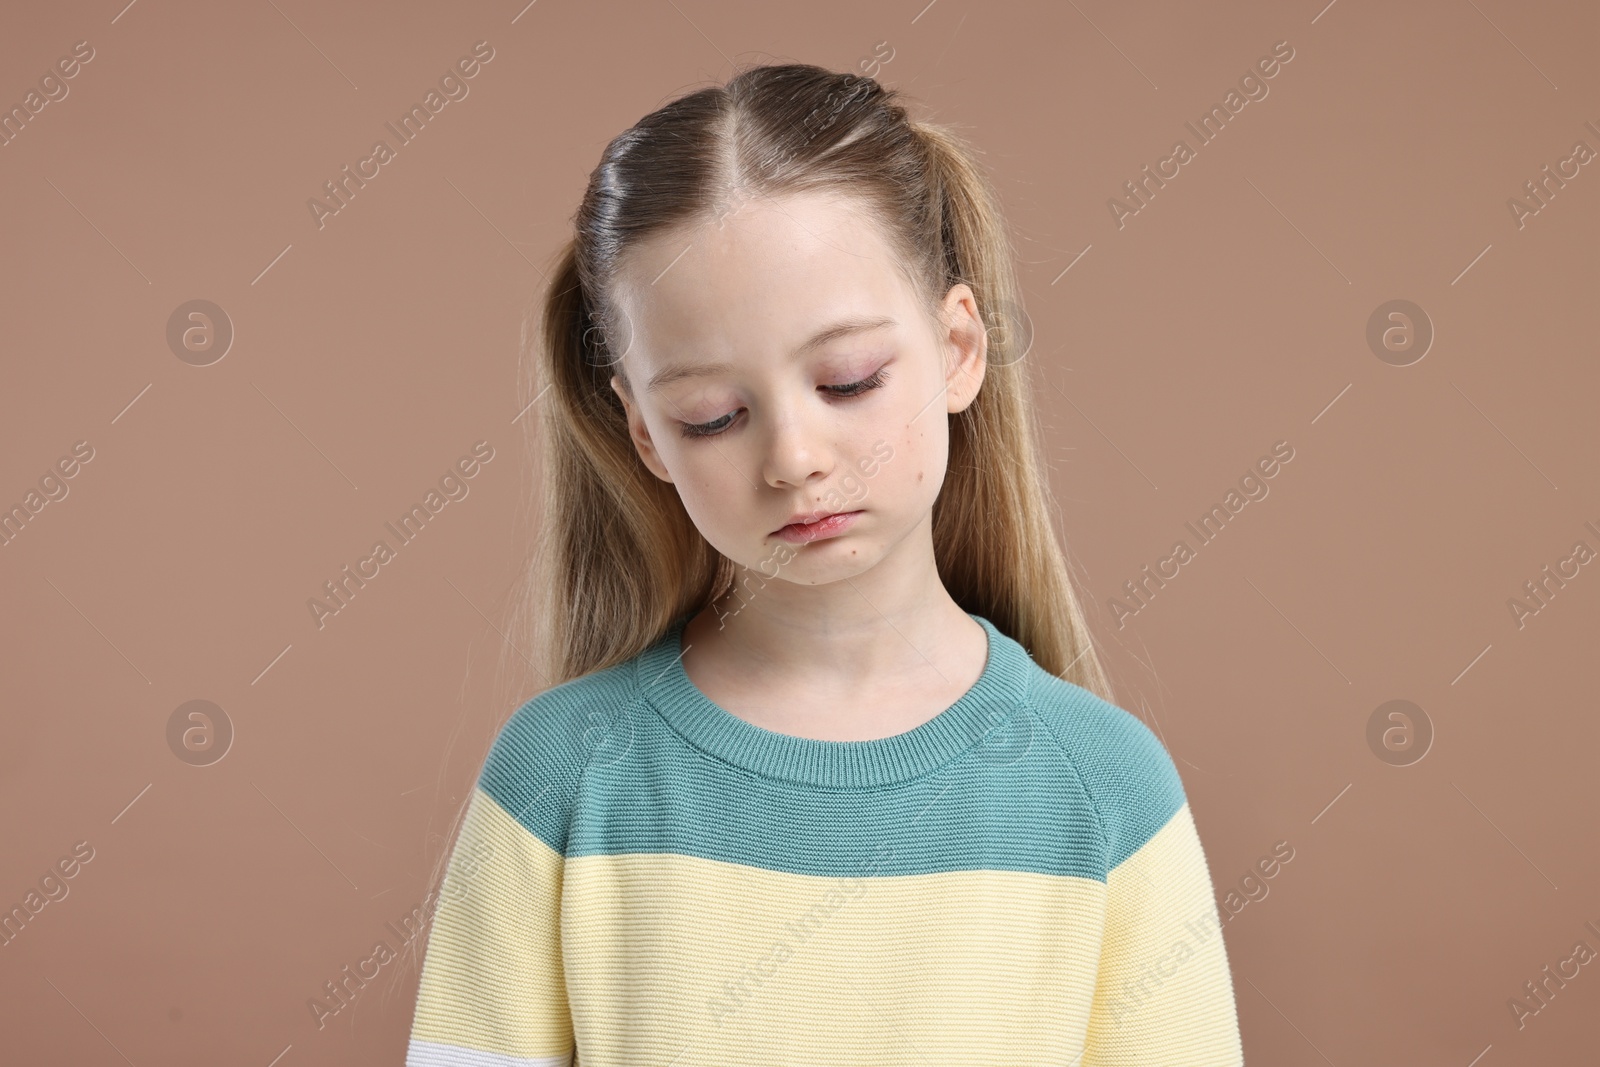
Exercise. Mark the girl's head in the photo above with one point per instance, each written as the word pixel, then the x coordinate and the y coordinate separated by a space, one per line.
pixel 785 297
pixel 778 362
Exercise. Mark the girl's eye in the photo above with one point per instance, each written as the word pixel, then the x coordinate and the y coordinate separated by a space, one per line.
pixel 716 426
pixel 708 429
pixel 874 381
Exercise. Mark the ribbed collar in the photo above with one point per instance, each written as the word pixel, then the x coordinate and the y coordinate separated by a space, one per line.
pixel 998 693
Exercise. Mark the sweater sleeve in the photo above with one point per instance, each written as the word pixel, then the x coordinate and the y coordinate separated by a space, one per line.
pixel 1163 991
pixel 492 988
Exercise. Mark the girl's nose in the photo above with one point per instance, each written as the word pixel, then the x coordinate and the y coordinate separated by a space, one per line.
pixel 795 452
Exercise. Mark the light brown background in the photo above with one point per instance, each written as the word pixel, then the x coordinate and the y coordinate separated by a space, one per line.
pixel 1228 314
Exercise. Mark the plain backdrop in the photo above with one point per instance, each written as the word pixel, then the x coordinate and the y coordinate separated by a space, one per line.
pixel 1174 346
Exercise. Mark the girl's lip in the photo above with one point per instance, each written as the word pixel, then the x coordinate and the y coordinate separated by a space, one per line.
pixel 829 526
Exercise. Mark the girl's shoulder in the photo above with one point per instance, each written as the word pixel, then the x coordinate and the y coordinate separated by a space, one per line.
pixel 539 755
pixel 562 726
pixel 1124 766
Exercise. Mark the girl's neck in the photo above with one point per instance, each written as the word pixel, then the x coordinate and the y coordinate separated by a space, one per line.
pixel 842 662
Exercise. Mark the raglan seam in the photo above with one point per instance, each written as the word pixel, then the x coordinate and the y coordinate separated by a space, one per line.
pixel 579 713
pixel 1094 803
pixel 625 715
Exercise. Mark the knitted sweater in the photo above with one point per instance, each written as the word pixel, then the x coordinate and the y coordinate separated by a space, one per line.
pixel 644 878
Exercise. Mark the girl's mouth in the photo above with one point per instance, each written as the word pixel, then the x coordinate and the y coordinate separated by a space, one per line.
pixel 828 526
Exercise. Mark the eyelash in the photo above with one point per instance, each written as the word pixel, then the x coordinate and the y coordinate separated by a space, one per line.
pixel 711 429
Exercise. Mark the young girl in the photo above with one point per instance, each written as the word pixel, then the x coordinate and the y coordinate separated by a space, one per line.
pixel 831 774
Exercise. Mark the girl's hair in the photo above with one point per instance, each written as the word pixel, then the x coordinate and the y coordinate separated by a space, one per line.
pixel 616 559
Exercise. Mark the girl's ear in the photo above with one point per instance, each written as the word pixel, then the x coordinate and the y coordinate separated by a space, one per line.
pixel 640 433
pixel 967 343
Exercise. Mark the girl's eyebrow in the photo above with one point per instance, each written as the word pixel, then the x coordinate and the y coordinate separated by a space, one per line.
pixel 844 327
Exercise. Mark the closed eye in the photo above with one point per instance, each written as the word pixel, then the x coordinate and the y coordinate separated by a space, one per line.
pixel 851 389
pixel 867 384
pixel 708 429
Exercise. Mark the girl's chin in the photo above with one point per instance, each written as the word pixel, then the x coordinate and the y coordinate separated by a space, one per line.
pixel 814 563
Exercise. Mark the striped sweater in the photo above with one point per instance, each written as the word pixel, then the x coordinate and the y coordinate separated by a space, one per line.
pixel 644 878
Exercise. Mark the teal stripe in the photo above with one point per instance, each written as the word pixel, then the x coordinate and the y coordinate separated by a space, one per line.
pixel 1055 781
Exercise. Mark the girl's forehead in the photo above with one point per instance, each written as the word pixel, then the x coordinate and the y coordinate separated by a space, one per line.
pixel 762 277
pixel 767 261
pixel 801 237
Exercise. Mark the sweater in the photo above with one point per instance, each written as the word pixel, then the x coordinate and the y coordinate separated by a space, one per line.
pixel 641 877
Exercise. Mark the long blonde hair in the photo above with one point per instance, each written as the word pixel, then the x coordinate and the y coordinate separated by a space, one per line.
pixel 614 559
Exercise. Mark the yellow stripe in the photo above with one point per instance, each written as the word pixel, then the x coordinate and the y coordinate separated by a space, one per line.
pixel 492 979
pixel 673 955
pixel 678 959
pixel 1165 993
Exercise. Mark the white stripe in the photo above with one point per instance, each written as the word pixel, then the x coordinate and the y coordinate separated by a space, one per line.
pixel 431 1054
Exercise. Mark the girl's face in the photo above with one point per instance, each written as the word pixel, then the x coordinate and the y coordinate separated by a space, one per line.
pixel 779 364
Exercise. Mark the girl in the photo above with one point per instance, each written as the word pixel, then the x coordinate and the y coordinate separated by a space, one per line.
pixel 831 773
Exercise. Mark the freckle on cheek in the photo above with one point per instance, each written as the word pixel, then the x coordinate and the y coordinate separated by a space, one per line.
pixel 919 476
